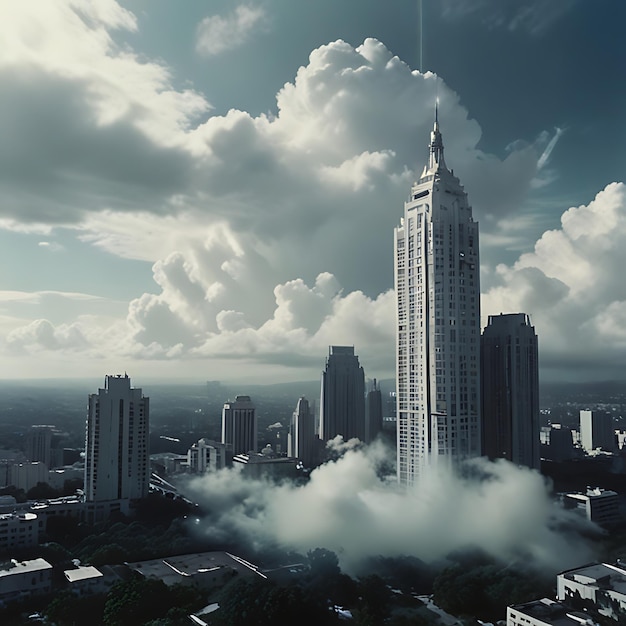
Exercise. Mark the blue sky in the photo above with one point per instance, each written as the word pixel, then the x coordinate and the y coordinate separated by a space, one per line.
pixel 209 190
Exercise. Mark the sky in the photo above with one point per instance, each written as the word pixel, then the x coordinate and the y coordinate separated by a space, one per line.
pixel 208 190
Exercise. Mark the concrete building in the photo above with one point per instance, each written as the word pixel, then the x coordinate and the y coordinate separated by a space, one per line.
pixel 85 580
pixel 342 397
pixel 26 475
pixel 510 390
pixel 545 612
pixel 557 443
pixel 20 580
pixel 373 413
pixel 301 436
pixel 437 284
pixel 597 431
pixel 38 445
pixel 602 584
pixel 206 570
pixel 116 447
pixel 600 506
pixel 239 425
pixel 266 464
pixel 208 456
pixel 18 530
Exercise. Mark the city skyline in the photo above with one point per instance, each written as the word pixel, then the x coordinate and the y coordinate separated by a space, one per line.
pixel 207 193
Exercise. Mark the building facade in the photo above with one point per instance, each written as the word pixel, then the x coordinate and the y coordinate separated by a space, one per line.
pixel 373 413
pixel 301 436
pixel 597 431
pixel 510 390
pixel 239 425
pixel 117 461
pixel 342 397
pixel 207 456
pixel 437 283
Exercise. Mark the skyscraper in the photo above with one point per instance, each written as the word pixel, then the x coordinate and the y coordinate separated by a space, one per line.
pixel 39 444
pixel 116 447
pixel 342 398
pixel 510 390
pixel 239 425
pixel 301 437
pixel 373 413
pixel 438 321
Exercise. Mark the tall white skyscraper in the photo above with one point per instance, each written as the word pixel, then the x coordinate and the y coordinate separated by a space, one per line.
pixel 342 397
pixel 510 390
pixel 301 437
pixel 597 431
pixel 117 464
pixel 438 322
pixel 239 425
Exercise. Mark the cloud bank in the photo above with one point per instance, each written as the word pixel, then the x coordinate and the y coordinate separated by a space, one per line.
pixel 347 507
pixel 270 236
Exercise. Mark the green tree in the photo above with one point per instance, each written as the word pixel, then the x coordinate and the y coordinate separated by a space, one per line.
pixel 136 601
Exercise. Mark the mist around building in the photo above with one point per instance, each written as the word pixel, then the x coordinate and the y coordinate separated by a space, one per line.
pixel 455 492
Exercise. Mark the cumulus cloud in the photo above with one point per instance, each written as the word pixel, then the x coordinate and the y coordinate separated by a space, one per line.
pixel 270 235
pixel 349 508
pixel 41 334
pixel 570 286
pixel 217 34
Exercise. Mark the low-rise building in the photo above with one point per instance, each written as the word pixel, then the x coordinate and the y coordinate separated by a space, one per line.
pixel 23 579
pixel 208 456
pixel 598 505
pixel 207 570
pixel 85 580
pixel 545 612
pixel 599 584
pixel 267 464
pixel 18 530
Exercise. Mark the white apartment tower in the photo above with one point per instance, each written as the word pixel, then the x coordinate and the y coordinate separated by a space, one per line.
pixel 117 464
pixel 301 437
pixel 438 322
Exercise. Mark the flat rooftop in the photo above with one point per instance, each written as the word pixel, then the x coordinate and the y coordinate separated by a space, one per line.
pixel 174 568
pixel 20 567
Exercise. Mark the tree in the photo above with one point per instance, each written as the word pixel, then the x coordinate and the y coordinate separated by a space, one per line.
pixel 256 601
pixel 136 601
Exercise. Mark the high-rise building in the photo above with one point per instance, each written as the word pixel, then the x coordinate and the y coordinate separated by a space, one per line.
pixel 373 413
pixel 39 444
pixel 342 398
pixel 117 462
pixel 510 390
pixel 239 425
pixel 597 431
pixel 301 437
pixel 437 282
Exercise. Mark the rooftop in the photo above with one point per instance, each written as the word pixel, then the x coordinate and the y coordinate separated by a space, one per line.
pixel 87 572
pixel 21 567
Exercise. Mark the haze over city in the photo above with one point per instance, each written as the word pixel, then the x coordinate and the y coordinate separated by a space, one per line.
pixel 211 193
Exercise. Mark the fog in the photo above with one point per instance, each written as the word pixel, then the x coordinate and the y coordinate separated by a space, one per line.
pixel 351 507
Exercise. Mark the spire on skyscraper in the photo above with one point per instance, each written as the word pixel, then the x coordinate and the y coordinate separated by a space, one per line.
pixel 435 158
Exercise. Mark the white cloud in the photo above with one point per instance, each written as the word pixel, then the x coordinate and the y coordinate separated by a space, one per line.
pixel 271 236
pixel 572 287
pixel 348 508
pixel 217 34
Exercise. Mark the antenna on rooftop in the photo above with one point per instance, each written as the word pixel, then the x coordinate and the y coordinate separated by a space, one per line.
pixel 421 38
